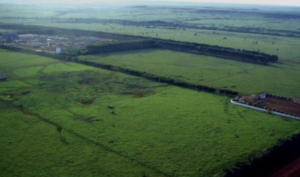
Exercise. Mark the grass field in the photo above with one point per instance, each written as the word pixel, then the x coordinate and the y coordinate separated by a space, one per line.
pixel 55 118
pixel 197 15
pixel 246 78
pixel 31 147
pixel 57 121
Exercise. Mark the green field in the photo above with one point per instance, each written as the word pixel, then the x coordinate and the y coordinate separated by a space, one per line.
pixel 120 20
pixel 56 118
pixel 57 122
pixel 246 78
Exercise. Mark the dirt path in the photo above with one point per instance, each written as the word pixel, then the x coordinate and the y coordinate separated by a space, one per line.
pixel 292 170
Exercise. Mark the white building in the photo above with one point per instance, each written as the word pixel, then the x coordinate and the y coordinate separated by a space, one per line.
pixel 58 50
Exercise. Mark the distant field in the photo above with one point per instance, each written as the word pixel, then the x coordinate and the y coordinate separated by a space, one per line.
pixel 153 130
pixel 183 23
pixel 246 78
pixel 286 48
pixel 5 30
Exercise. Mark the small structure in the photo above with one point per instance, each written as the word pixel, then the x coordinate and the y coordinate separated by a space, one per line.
pixel 58 50
pixel 26 37
pixel 3 78
pixel 92 38
pixel 263 96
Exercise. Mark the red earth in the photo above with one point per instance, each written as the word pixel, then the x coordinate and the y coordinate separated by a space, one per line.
pixel 286 106
pixel 292 170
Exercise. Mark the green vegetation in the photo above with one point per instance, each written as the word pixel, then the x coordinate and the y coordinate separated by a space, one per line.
pixel 152 129
pixel 32 147
pixel 246 78
pixel 202 49
pixel 215 25
pixel 60 118
pixel 135 43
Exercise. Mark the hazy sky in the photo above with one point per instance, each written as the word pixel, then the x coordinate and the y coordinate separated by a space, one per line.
pixel 270 2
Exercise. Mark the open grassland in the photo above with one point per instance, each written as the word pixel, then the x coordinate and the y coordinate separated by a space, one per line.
pixel 56 121
pixel 32 147
pixel 286 48
pixel 200 24
pixel 246 78
pixel 196 15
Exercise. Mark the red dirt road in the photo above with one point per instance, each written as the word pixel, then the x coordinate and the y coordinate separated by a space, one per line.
pixel 292 170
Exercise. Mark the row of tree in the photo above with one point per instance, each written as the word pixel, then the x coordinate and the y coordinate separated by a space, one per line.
pixel 118 46
pixel 111 47
pixel 218 51
pixel 161 79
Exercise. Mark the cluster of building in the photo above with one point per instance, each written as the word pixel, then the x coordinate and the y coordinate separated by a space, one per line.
pixel 9 37
pixel 48 43
pixel 282 106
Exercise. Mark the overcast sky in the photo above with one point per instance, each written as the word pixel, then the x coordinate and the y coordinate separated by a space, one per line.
pixel 269 2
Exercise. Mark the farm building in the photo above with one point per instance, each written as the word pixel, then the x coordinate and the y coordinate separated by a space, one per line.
pixel 26 36
pixel 58 50
pixel 92 38
pixel 273 104
pixel 3 78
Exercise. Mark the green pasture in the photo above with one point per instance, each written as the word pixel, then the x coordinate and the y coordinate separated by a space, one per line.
pixel 183 14
pixel 31 147
pixel 246 78
pixel 285 47
pixel 55 120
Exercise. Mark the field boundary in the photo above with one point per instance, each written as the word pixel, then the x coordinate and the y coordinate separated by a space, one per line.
pixel 145 75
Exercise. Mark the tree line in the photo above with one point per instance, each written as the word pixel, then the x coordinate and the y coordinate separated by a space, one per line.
pixel 218 51
pixel 202 49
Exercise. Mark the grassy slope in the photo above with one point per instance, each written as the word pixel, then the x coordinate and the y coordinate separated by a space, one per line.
pixel 174 130
pixel 246 78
